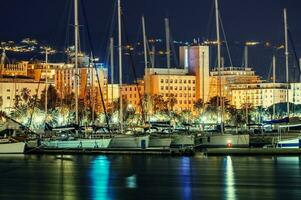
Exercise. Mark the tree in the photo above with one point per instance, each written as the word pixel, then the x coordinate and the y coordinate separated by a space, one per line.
pixel 52 98
pixel 171 101
pixel 25 94
pixel 158 103
pixel 198 105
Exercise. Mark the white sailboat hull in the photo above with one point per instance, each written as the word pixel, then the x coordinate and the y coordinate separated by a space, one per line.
pixel 180 141
pixel 77 144
pixel 225 140
pixel 12 148
pixel 129 141
pixel 160 142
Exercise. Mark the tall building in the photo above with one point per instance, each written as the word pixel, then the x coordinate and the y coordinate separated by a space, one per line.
pixel 196 60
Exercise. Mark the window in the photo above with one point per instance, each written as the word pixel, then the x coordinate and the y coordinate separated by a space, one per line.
pixel 176 88
pixel 166 81
pixel 8 97
pixel 8 90
pixel 184 81
pixel 180 88
pixel 162 81
pixel 162 88
pixel 189 81
pixel 176 81
pixel 193 81
pixel 171 81
pixel 180 81
pixel 166 87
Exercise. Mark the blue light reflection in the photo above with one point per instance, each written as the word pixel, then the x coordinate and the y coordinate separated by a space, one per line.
pixel 185 175
pixel 99 176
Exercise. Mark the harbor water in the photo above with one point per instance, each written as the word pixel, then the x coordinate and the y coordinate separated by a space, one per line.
pixel 101 177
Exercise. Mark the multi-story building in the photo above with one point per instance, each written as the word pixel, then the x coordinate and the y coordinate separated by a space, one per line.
pixel 10 87
pixel 196 60
pixel 175 83
pixel 133 93
pixel 18 69
pixel 228 77
pixel 89 86
pixel 265 94
pixel 186 84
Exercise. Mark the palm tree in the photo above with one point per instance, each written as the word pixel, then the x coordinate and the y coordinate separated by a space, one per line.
pixel 158 103
pixel 199 105
pixel 172 101
pixel 25 94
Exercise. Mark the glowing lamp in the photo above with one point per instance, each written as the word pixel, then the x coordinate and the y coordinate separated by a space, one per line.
pixel 229 143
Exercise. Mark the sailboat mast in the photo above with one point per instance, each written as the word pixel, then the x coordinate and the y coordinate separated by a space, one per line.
pixel 274 81
pixel 46 82
pixel 76 58
pixel 144 43
pixel 219 63
pixel 112 65
pixel 286 62
pixel 167 35
pixel 120 67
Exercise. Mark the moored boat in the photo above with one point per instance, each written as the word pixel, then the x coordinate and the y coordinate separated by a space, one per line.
pixel 7 147
pixel 129 141
pixel 222 140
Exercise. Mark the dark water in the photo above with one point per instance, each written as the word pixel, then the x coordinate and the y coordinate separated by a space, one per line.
pixel 149 177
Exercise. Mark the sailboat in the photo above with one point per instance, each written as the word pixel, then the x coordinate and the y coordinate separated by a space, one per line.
pixel 221 139
pixel 296 141
pixel 9 144
pixel 63 141
pixel 122 140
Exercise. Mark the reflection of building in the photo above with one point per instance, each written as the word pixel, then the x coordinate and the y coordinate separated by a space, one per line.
pixel 264 94
pixel 10 87
pixel 230 77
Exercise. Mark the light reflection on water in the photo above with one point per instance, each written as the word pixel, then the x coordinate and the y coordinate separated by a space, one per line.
pixel 149 177
pixel 229 179
pixel 99 175
pixel 185 177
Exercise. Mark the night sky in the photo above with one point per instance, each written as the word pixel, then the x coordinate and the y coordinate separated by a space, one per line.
pixel 50 21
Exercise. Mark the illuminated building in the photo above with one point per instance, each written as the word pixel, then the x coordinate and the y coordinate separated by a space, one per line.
pixel 175 83
pixel 10 87
pixel 230 77
pixel 89 90
pixel 196 60
pixel 264 94
pixel 186 84
pixel 18 69
pixel 133 94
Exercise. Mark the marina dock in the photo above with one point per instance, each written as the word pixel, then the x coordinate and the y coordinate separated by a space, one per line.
pixel 117 151
pixel 251 151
